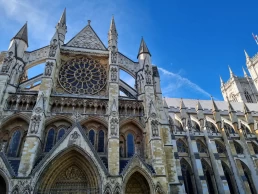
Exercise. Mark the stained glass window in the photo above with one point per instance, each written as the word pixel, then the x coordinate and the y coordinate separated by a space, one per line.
pixel 101 141
pixel 61 132
pixel 181 147
pixel 130 145
pixel 238 147
pixel 201 147
pixel 50 140
pixel 92 137
pixel 82 76
pixel 14 144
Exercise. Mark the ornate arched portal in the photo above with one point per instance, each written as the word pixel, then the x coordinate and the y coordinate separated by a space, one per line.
pixel 70 173
pixel 137 184
pixel 2 185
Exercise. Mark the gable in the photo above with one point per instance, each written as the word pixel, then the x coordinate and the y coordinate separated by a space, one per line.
pixel 87 38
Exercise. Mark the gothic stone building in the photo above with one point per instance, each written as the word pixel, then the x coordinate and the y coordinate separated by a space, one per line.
pixel 69 130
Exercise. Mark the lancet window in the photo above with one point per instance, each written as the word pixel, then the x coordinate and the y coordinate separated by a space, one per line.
pixel 201 147
pixel 97 139
pixel 14 144
pixel 220 148
pixel 238 147
pixel 187 176
pixel 248 97
pixel 130 145
pixel 209 176
pixel 181 146
pixel 53 135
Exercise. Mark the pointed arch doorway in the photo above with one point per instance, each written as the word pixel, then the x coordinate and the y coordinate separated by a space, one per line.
pixel 71 173
pixel 137 184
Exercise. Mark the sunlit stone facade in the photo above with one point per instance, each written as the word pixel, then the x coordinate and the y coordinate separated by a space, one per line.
pixel 79 128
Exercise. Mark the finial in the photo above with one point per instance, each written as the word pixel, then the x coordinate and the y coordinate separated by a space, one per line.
pixel 245 74
pixel 23 34
pixel 89 21
pixel 221 81
pixel 143 48
pixel 230 71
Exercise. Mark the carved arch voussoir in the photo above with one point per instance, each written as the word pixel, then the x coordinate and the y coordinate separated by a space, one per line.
pixel 57 118
pixel 22 116
pixel 133 121
pixel 92 119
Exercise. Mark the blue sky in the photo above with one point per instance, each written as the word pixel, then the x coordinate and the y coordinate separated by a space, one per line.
pixel 192 42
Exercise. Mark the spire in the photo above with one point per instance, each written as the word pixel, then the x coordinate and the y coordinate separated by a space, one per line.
pixel 246 109
pixel 245 74
pixel 232 113
pixel 214 106
pixel 199 106
pixel 221 81
pixel 246 55
pixel 231 72
pixel 22 34
pixel 230 107
pixel 62 21
pixel 112 29
pixel 182 104
pixel 143 48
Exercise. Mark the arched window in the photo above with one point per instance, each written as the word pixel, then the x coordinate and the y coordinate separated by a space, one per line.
pixel 181 147
pixel 248 97
pixel 208 174
pixel 101 141
pixel 228 128
pixel 201 147
pixel 238 147
pixel 14 144
pixel 220 148
pixel 248 176
pixel 50 140
pixel 130 145
pixel 229 177
pixel 211 126
pixel 187 176
pixel 60 134
pixel 255 147
pixel 92 136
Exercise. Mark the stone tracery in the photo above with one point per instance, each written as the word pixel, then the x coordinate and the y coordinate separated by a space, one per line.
pixel 82 76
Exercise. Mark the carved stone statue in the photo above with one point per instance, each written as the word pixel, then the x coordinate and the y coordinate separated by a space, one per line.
pixel 113 74
pixel 154 128
pixel 48 68
pixel 53 47
pixel 16 73
pixel 148 75
pixel 113 55
pixel 35 123
pixel 8 62
pixel 113 126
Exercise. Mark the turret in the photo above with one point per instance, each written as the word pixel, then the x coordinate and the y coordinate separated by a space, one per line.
pixel 19 42
pixel 62 28
pixel 112 35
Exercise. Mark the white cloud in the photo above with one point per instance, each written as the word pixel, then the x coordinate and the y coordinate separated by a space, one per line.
pixel 180 81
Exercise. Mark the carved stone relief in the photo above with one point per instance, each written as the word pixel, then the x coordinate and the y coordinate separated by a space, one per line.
pixel 148 75
pixel 8 61
pixel 113 74
pixel 113 126
pixel 53 47
pixel 35 121
pixel 48 68
pixel 155 128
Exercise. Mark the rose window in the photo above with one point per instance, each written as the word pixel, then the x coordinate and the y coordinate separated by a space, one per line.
pixel 82 76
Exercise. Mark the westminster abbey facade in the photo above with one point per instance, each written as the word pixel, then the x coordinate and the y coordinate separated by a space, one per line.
pixel 79 128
